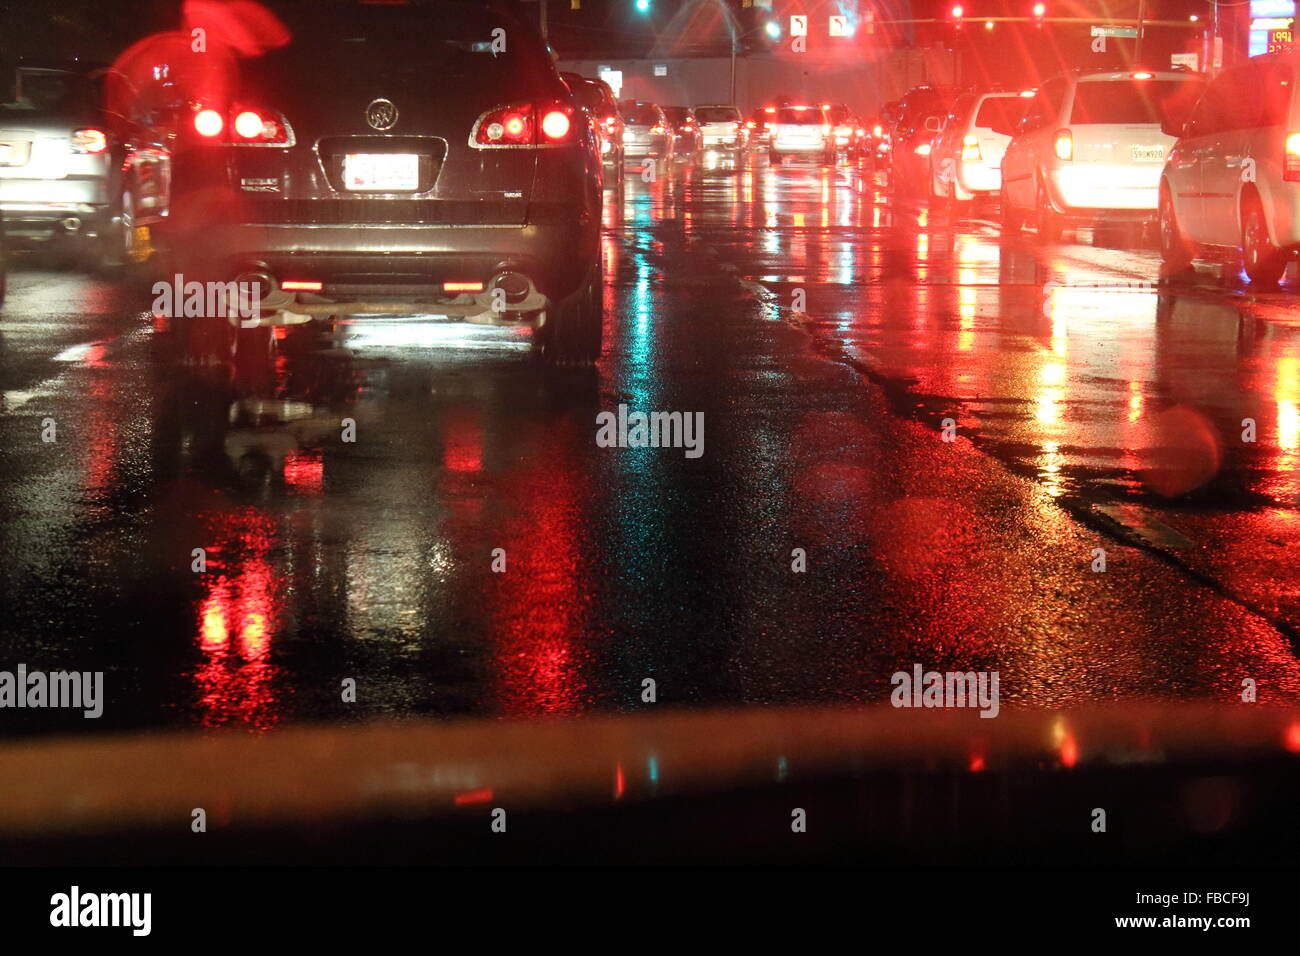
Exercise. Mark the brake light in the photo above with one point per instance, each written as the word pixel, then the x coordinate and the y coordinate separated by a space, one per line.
pixel 462 287
pixel 1291 161
pixel 970 147
pixel 1064 144
pixel 750 124
pixel 923 149
pixel 300 285
pixel 248 124
pixel 876 130
pixel 1141 76
pixel 611 123
pixel 524 124
pixel 688 128
pixel 657 131
pixel 555 125
pixel 208 123
pixel 93 141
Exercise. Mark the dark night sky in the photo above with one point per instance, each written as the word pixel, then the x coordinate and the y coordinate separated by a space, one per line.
pixel 100 28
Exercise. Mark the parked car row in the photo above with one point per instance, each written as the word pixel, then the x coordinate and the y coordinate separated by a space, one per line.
pixel 1214 163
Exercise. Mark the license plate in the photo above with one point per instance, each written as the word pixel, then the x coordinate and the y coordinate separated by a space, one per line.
pixel 382 172
pixel 1148 154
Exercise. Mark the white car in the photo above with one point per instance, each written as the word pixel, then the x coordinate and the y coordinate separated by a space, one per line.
pixel 723 127
pixel 966 159
pixel 1090 145
pixel 802 131
pixel 1232 179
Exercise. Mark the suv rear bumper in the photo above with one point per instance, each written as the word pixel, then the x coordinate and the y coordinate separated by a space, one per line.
pixel 556 256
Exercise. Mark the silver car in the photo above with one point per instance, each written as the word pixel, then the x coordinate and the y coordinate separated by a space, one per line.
pixel 646 132
pixel 722 127
pixel 73 169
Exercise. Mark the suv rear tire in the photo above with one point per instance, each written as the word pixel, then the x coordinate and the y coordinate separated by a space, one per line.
pixel 1012 218
pixel 571 334
pixel 1175 251
pixel 1050 223
pixel 1263 261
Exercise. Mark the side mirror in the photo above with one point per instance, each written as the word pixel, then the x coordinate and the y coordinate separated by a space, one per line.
pixel 934 123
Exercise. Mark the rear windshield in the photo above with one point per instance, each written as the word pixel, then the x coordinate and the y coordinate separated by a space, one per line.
pixel 589 96
pixel 1132 101
pixel 676 114
pixel 838 114
pixel 449 39
pixel 1001 111
pixel 45 93
pixel 640 115
pixel 808 117
pixel 717 114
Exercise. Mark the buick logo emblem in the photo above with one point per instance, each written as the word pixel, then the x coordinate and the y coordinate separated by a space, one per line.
pixel 381 114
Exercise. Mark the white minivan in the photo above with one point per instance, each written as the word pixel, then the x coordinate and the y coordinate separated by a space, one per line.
pixel 1090 145
pixel 1232 179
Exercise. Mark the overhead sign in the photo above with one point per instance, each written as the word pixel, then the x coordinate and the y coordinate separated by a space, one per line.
pixel 1188 60
pixel 799 26
pixel 661 69
pixel 1272 8
pixel 1130 32
pixel 840 27
pixel 614 78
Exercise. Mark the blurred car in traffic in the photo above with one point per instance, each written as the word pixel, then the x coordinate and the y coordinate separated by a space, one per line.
pixel 83 159
pixel 918 119
pixel 801 131
pixel 1232 179
pixel 845 127
pixel 597 99
pixel 688 141
pixel 966 159
pixel 646 132
pixel 759 127
pixel 426 172
pixel 722 127
pixel 1091 145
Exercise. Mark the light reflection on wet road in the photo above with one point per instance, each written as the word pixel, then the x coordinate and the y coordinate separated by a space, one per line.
pixel 372 560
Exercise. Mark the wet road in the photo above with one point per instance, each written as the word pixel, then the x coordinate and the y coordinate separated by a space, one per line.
pixel 824 331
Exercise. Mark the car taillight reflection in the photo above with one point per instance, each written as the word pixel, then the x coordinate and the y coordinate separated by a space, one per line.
pixel 93 141
pixel 1291 163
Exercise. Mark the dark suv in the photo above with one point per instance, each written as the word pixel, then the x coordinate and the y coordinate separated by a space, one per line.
pixel 399 159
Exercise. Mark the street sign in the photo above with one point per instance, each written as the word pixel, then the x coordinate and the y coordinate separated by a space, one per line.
pixel 661 69
pixel 840 27
pixel 1130 32
pixel 1183 59
pixel 799 26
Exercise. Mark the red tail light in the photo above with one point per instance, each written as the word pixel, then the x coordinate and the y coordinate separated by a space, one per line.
pixel 248 126
pixel 688 128
pixel 524 124
pixel 92 141
pixel 657 131
pixel 1291 159
pixel 751 125
pixel 209 123
pixel 1064 144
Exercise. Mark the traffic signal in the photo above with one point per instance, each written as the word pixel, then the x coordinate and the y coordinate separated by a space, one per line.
pixel 643 6
pixel 1040 11
pixel 957 13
